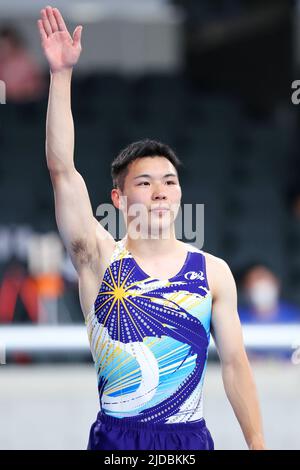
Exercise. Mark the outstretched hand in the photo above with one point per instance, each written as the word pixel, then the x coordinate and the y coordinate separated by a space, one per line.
pixel 60 48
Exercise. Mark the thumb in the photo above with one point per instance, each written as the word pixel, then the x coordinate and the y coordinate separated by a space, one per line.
pixel 77 36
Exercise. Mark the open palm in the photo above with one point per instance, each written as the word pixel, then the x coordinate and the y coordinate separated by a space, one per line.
pixel 61 49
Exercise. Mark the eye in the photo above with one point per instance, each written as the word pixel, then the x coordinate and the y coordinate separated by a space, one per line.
pixel 171 182
pixel 144 182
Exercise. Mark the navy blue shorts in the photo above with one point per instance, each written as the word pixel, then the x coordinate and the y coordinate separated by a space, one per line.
pixel 110 433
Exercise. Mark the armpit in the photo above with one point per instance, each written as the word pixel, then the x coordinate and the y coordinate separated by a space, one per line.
pixel 84 254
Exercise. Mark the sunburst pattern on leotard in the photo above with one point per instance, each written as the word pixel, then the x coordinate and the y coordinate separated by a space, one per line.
pixel 149 341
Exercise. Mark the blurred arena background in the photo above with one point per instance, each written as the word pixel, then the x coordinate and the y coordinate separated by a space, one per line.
pixel 213 79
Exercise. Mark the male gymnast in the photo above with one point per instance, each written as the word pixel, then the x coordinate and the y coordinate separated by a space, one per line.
pixel 150 302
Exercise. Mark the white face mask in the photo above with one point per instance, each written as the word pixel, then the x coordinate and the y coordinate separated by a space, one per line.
pixel 263 295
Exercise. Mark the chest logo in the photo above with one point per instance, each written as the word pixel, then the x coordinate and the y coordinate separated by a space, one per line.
pixel 193 275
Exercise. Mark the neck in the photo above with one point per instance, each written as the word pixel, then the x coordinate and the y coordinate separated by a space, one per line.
pixel 152 247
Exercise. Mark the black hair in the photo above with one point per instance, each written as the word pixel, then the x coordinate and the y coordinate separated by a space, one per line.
pixel 140 149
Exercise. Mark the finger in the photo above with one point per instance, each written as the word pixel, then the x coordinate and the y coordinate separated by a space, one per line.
pixel 77 36
pixel 59 20
pixel 42 30
pixel 52 19
pixel 46 23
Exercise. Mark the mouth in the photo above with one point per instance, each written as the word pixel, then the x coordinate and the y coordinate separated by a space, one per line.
pixel 160 210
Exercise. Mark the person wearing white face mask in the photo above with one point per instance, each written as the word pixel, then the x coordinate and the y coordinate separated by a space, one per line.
pixel 263 303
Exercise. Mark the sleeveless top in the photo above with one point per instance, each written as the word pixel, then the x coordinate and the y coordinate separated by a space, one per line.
pixel 149 340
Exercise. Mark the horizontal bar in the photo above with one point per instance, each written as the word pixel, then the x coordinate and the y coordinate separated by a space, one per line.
pixel 73 338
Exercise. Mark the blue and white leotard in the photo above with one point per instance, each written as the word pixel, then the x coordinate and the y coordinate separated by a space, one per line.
pixel 149 340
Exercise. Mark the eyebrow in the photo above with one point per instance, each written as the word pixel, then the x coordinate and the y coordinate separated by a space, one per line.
pixel 149 176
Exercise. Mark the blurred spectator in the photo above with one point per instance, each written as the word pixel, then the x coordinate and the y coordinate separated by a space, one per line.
pixel 19 70
pixel 38 282
pixel 261 294
pixel 45 260
pixel 18 294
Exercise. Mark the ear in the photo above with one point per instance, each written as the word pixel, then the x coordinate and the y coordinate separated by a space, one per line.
pixel 118 199
pixel 115 198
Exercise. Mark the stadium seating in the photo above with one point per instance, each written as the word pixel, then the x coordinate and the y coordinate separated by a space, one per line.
pixel 234 165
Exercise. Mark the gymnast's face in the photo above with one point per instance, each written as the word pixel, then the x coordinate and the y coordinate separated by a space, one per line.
pixel 152 194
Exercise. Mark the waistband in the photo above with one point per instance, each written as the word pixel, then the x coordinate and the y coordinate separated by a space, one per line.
pixel 125 423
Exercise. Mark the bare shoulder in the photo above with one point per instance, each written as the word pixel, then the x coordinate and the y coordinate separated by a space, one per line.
pixel 218 272
pixel 214 262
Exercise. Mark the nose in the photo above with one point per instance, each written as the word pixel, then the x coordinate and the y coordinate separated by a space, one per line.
pixel 159 193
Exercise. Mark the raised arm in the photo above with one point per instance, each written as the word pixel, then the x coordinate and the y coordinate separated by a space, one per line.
pixel 236 371
pixel 78 228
